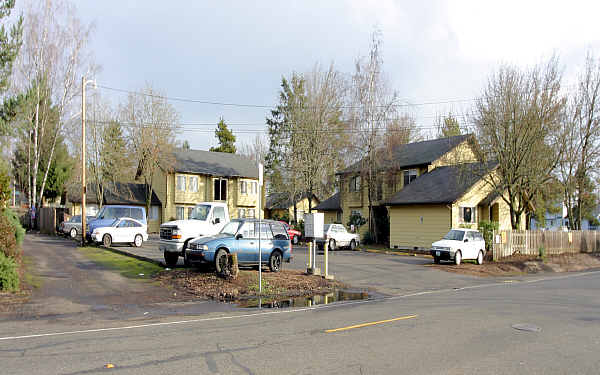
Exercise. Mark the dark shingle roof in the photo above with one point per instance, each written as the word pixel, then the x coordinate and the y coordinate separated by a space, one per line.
pixel 215 163
pixel 441 185
pixel 330 204
pixel 119 193
pixel 417 153
pixel 282 201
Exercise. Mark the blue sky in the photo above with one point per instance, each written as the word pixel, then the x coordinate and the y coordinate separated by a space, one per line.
pixel 237 51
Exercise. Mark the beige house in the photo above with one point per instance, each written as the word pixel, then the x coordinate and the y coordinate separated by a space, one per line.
pixel 405 193
pixel 331 209
pixel 280 205
pixel 205 176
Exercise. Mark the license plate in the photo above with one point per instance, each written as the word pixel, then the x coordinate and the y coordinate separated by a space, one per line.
pixel 437 253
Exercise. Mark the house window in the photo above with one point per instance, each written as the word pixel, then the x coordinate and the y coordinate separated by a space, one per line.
pixel 243 187
pixel 180 183
pixel 241 213
pixel 254 187
pixel 179 212
pixel 338 217
pixel 467 214
pixel 193 184
pixel 153 213
pixel 189 212
pixel 355 183
pixel 250 213
pixel 220 190
pixel 379 191
pixel 409 176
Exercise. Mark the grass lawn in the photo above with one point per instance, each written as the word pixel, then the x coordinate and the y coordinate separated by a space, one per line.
pixel 127 266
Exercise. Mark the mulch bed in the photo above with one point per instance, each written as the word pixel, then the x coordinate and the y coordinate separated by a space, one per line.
pixel 520 265
pixel 287 283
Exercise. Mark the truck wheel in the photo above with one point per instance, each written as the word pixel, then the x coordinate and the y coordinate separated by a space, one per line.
pixel 171 259
pixel 295 240
pixel 220 261
pixel 137 242
pixel 332 244
pixel 352 245
pixel 480 257
pixel 73 232
pixel 275 261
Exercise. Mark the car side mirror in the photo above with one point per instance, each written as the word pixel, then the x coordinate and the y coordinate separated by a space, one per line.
pixel 217 221
pixel 238 236
pixel 466 240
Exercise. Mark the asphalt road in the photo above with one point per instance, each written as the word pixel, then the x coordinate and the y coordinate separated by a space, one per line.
pixel 435 323
pixel 448 331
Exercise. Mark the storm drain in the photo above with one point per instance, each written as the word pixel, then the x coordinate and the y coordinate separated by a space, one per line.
pixel 526 327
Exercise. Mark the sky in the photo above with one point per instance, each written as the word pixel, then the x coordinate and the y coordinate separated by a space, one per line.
pixel 437 54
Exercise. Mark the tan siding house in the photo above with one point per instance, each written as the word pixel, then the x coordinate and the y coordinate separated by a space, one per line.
pixel 205 176
pixel 331 209
pixel 402 167
pixel 279 205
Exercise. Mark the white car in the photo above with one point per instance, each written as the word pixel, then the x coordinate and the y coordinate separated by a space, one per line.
pixel 122 230
pixel 459 244
pixel 337 236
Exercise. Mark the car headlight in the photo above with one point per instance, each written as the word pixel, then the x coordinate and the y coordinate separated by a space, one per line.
pixel 176 234
pixel 441 248
pixel 196 246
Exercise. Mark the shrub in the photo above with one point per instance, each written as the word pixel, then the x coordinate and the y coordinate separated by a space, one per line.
pixel 14 219
pixel 8 239
pixel 487 229
pixel 368 238
pixel 357 221
pixel 9 277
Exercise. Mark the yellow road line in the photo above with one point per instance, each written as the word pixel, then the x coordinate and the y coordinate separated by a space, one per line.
pixel 369 324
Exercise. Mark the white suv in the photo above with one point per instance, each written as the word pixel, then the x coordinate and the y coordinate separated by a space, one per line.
pixel 459 244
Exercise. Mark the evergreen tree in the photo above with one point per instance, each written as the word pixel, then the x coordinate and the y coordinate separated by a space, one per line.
pixel 10 43
pixel 225 137
pixel 186 145
pixel 116 163
pixel 448 126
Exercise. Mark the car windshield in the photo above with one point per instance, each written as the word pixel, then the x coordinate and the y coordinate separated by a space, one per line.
pixel 455 235
pixel 200 212
pixel 231 228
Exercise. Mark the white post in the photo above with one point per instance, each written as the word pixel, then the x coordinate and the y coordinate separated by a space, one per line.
pixel 260 184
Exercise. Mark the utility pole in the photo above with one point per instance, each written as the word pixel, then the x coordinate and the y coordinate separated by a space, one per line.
pixel 83 184
pixel 83 221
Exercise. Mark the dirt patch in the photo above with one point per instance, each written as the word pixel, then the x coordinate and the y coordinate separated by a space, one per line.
pixel 287 283
pixel 520 265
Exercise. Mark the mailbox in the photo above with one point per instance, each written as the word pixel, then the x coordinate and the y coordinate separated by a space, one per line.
pixel 313 225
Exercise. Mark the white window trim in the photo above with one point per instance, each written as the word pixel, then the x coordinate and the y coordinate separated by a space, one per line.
pixel 177 177
pixel 461 215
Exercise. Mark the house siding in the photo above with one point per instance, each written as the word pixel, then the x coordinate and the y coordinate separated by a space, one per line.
pixel 418 225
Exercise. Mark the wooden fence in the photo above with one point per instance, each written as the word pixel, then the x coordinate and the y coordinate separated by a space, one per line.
pixel 508 243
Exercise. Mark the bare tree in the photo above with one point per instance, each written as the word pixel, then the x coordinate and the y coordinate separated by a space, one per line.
pixel 256 149
pixel 581 139
pixel 373 106
pixel 51 63
pixel 152 124
pixel 519 119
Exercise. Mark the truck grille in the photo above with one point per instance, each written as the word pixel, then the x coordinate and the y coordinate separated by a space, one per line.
pixel 165 233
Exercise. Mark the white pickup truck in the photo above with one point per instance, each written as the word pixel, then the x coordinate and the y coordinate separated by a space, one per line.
pixel 206 219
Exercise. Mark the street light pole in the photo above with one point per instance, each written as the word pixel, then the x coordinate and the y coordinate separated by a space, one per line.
pixel 83 184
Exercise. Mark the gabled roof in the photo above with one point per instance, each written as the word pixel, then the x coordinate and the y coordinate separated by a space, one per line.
pixel 417 153
pixel 282 201
pixel 441 185
pixel 119 193
pixel 214 163
pixel 330 204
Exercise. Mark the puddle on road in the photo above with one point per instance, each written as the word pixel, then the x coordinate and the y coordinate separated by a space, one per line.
pixel 318 299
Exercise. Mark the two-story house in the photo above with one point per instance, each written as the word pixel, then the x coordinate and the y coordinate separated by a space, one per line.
pixel 431 183
pixel 202 176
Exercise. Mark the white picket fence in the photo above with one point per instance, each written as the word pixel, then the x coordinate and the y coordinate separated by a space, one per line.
pixel 508 243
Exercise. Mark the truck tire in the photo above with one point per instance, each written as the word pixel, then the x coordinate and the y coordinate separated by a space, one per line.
pixel 171 259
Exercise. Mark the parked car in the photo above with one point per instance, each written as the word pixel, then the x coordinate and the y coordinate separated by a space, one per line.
pixel 294 234
pixel 122 230
pixel 459 244
pixel 206 219
pixel 108 214
pixel 241 237
pixel 72 227
pixel 337 236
